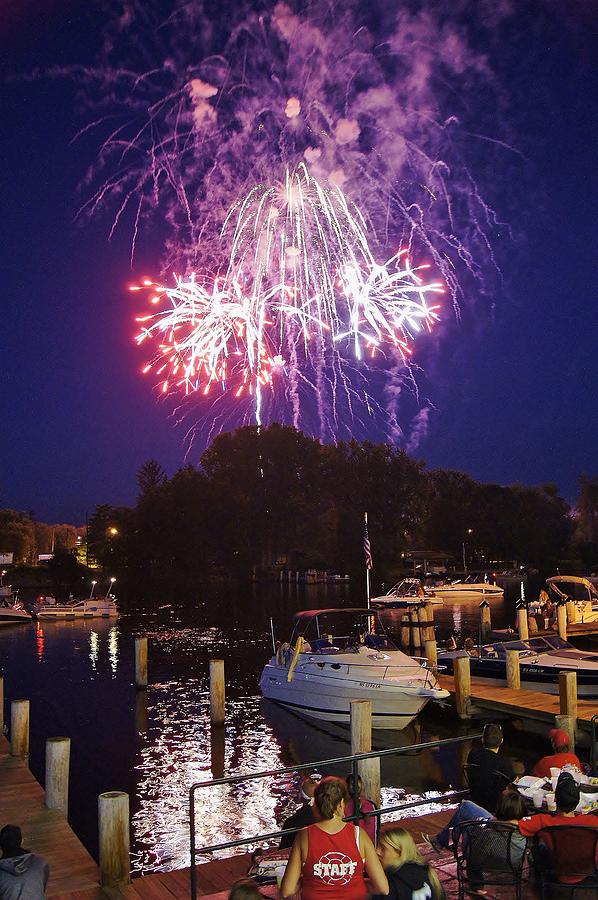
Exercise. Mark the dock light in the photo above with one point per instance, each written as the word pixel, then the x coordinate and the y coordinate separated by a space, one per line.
pixel 113 531
pixel 112 580
pixel 93 587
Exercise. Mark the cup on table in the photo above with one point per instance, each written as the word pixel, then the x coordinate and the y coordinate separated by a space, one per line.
pixel 554 773
pixel 550 802
pixel 537 799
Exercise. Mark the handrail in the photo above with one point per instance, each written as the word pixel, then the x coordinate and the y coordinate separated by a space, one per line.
pixel 358 814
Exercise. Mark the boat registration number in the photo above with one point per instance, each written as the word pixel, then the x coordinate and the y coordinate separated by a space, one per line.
pixel 368 684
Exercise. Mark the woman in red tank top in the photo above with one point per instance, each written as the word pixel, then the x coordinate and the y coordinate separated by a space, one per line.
pixel 329 857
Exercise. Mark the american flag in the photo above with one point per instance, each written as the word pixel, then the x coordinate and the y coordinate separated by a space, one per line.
pixel 367 549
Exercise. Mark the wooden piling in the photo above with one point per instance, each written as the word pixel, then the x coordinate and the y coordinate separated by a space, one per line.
pixel 114 839
pixel 522 625
pixel 422 618
pixel 462 670
pixel 513 670
pixel 19 728
pixel 485 619
pixel 430 617
pixel 416 640
pixel 571 612
pixel 561 620
pixel 431 653
pixel 141 662
pixel 217 691
pixel 405 632
pixel 361 742
pixel 568 694
pixel 58 755
pixel 567 723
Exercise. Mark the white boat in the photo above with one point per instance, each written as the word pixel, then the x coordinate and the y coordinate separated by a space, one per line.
pixel 406 593
pixel 338 655
pixel 93 607
pixel 578 590
pixel 468 588
pixel 12 611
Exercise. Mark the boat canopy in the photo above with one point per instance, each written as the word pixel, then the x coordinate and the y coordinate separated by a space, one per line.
pixel 311 613
pixel 574 587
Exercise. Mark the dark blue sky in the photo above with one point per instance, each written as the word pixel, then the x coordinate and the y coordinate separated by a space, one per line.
pixel 515 396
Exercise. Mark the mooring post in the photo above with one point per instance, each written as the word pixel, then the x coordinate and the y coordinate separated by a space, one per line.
pixel 405 632
pixel 141 662
pixel 485 619
pixel 361 742
pixel 522 625
pixel 431 653
pixel 561 620
pixel 415 633
pixel 217 691
pixel 567 723
pixel 19 728
pixel 430 632
pixel 513 670
pixel 568 694
pixel 58 755
pixel 114 839
pixel 571 612
pixel 462 670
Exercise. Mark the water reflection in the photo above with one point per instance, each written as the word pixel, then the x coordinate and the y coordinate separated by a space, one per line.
pixel 113 649
pixel 94 643
pixel 39 641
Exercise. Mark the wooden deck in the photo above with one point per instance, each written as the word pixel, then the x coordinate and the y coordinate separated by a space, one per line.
pixel 45 831
pixel 526 704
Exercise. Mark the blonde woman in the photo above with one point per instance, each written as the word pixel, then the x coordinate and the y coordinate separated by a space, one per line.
pixel 328 858
pixel 409 876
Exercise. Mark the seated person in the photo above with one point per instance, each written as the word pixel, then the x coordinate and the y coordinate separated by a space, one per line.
pixel 510 808
pixel 303 816
pixel 486 782
pixel 22 873
pixel 566 796
pixel 408 874
pixel 559 758
pixel 369 823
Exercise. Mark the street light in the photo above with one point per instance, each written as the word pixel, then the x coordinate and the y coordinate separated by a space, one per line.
pixel 93 587
pixel 2 574
pixel 112 580
pixel 113 531
pixel 469 531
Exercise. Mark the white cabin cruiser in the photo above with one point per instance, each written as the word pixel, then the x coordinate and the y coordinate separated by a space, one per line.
pixel 12 611
pixel 577 590
pixel 93 607
pixel 468 588
pixel 338 655
pixel 406 593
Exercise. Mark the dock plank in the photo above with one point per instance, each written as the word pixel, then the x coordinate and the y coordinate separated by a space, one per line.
pixel 528 704
pixel 45 831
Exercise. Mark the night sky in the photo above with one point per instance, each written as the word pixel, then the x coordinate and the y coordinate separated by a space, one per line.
pixel 514 389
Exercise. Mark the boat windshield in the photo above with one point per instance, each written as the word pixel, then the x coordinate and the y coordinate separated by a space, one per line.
pixel 408 587
pixel 337 630
pixel 499 651
pixel 575 590
pixel 552 642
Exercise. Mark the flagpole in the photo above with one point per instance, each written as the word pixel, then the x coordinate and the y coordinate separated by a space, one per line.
pixel 367 568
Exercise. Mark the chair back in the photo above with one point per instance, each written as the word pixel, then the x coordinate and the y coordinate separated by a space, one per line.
pixel 485 784
pixel 566 853
pixel 496 849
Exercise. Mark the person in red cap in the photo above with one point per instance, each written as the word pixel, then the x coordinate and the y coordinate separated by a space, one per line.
pixel 559 758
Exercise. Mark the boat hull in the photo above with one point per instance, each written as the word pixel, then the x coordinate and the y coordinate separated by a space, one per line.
pixel 326 697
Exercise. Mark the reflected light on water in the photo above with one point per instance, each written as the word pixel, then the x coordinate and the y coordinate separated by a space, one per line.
pixel 94 643
pixel 178 753
pixel 113 649
pixel 39 641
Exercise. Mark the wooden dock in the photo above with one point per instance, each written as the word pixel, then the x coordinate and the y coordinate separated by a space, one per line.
pixel 524 704
pixel 45 831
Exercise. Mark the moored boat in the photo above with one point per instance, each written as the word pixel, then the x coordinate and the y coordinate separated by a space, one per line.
pixel 406 593
pixel 338 655
pixel 577 590
pixel 541 659
pixel 12 611
pixel 93 607
pixel 468 588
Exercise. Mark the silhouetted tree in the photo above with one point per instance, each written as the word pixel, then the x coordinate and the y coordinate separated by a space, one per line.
pixel 150 475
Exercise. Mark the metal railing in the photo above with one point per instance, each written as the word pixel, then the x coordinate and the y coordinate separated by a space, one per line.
pixel 317 765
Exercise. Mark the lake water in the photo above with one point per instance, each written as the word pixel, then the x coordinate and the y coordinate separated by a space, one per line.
pixel 79 677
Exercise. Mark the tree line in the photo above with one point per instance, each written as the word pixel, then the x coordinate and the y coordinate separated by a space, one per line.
pixel 262 498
